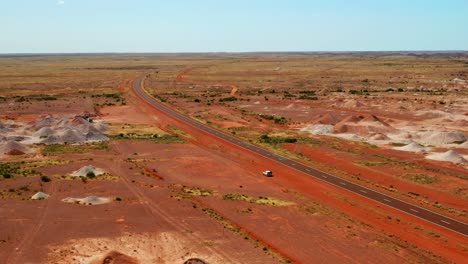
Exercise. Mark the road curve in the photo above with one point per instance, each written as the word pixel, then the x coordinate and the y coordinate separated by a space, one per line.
pixel 411 209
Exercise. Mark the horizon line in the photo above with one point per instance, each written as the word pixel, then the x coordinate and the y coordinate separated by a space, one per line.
pixel 235 52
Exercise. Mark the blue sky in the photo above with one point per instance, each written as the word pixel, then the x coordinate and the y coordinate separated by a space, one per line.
pixel 34 26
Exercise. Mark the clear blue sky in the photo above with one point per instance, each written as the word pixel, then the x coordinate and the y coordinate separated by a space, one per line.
pixel 30 26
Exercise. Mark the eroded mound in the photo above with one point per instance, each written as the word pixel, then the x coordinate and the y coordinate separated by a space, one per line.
pixel 40 196
pixel 90 200
pixel 13 146
pixel 87 170
pixel 115 257
pixel 43 132
pixel 195 261
pixel 319 129
pixel 440 138
pixel 15 152
pixel 412 147
pixel 164 248
pixel 450 156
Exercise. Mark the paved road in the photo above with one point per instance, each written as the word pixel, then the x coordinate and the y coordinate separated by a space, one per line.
pixel 414 210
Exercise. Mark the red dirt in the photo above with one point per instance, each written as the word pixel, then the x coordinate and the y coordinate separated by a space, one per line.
pixel 15 152
pixel 328 157
pixel 362 209
pixel 325 224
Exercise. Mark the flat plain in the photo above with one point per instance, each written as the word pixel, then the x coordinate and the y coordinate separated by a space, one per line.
pixel 121 181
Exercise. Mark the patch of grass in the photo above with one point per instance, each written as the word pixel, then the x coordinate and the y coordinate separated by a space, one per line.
pixel 62 149
pixel 276 140
pixel 260 200
pixel 194 191
pixel 160 98
pixel 247 236
pixel 228 99
pixel 373 163
pixel 74 149
pixel 157 138
pixel 10 169
pixel 460 191
pixel 178 132
pixel 306 97
pixel 277 120
pixel 35 97
pixel 419 178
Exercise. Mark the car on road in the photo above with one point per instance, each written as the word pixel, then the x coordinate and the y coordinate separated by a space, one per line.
pixel 268 173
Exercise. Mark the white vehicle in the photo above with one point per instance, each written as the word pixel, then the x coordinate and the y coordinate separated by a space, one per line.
pixel 268 173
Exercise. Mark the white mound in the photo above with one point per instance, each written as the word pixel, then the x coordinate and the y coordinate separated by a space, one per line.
pixel 347 136
pixel 413 147
pixel 40 196
pixel 4 128
pixel 318 129
pixel 44 122
pixel 71 136
pixel 13 145
pixel 441 138
pixel 95 137
pixel 351 103
pixel 50 140
pixel 379 136
pixel 43 132
pixel 90 200
pixel 64 122
pixel 87 169
pixel 463 145
pixel 79 121
pixel 101 126
pixel 450 156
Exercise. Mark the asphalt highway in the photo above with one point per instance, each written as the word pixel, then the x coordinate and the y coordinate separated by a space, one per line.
pixel 411 209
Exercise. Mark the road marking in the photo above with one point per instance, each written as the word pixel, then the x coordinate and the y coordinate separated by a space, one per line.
pixel 308 170
pixel 362 191
pixel 387 200
pixel 416 211
pixel 342 183
pixel 445 222
pixel 323 176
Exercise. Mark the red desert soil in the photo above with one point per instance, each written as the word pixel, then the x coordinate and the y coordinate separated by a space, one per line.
pixel 407 228
pixel 384 176
pixel 204 199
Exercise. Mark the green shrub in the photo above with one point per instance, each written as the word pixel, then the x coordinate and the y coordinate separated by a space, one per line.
pixel 45 179
pixel 228 99
pixel 91 175
pixel 276 140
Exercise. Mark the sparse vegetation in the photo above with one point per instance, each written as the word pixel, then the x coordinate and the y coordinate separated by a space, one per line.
pixel 74 149
pixel 156 138
pixel 228 99
pixel 45 179
pixel 260 200
pixel 276 140
pixel 419 178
